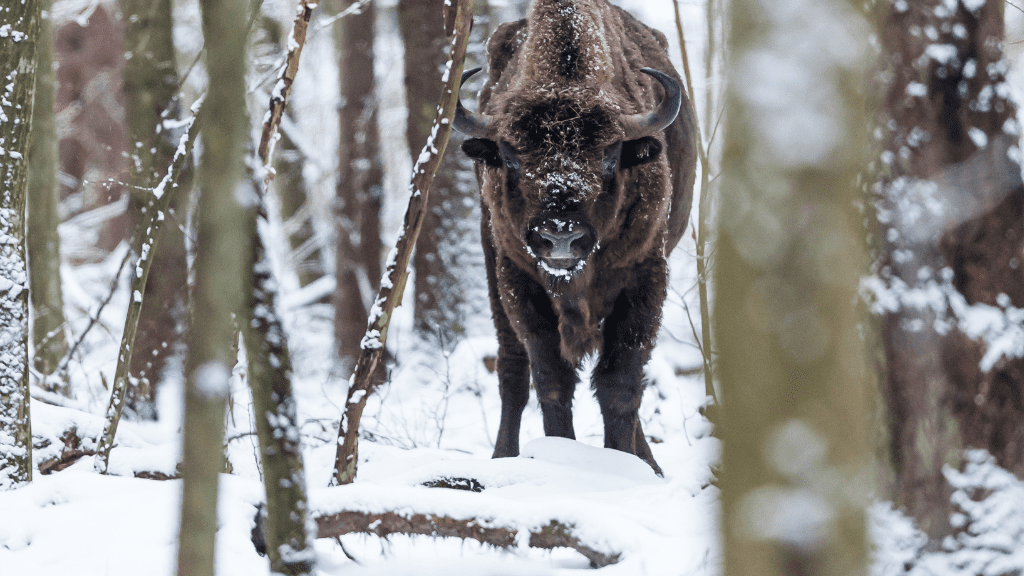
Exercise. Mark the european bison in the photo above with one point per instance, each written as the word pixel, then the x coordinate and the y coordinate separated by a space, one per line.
pixel 586 164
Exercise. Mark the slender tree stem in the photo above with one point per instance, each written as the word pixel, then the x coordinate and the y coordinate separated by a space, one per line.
pixel 392 287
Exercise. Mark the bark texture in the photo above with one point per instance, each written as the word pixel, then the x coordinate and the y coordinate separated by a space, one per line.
pixel 794 418
pixel 223 267
pixel 150 85
pixel 277 425
pixel 360 180
pixel 949 202
pixel 20 34
pixel 49 336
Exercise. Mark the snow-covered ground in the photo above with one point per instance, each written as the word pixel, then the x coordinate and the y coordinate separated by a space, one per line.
pixel 436 420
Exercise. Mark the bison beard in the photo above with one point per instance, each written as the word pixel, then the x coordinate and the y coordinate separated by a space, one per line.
pixel 586 162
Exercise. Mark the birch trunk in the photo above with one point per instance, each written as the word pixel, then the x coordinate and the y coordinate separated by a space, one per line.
pixel 19 24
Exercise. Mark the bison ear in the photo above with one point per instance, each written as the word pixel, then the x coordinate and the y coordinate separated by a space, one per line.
pixel 481 150
pixel 640 151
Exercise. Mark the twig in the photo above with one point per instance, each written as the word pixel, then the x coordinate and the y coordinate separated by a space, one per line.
pixel 702 233
pixel 93 319
pixel 393 284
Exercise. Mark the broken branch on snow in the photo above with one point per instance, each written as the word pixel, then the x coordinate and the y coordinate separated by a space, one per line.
pixel 392 285
pixel 552 535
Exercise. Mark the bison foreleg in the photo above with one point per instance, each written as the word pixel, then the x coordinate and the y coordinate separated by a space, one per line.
pixel 555 379
pixel 629 334
pixel 513 365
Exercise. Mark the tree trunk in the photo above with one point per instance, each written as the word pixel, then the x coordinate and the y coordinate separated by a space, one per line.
pixel 93 133
pixel 277 425
pixel 150 86
pixel 288 542
pixel 20 25
pixel 48 333
pixel 360 180
pixel 949 207
pixel 223 267
pixel 793 424
pixel 438 289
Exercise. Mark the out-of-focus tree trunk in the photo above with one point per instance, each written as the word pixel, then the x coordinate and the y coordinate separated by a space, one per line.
pixel 93 133
pixel 360 180
pixel 950 209
pixel 150 84
pixel 794 418
pixel 293 193
pixel 20 25
pixel 440 252
pixel 48 333
pixel 223 267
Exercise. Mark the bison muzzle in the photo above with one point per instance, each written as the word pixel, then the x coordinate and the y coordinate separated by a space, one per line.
pixel 586 161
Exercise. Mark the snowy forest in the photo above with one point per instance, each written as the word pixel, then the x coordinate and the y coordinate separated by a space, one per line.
pixel 262 311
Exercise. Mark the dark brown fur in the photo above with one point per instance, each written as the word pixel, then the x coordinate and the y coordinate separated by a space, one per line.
pixel 558 83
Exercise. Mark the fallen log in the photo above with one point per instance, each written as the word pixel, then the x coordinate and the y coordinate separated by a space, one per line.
pixel 552 535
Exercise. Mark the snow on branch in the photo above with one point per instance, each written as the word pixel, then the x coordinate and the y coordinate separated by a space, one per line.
pixel 156 207
pixel 393 284
pixel 279 95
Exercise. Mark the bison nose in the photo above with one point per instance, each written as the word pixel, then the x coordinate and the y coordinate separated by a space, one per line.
pixel 560 246
pixel 561 242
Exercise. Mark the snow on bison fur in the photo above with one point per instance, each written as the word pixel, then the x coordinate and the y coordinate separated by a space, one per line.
pixel 586 164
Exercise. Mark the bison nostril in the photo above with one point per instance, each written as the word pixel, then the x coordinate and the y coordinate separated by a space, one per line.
pixel 561 242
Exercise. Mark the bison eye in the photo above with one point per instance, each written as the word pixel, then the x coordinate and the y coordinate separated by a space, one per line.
pixel 640 151
pixel 509 156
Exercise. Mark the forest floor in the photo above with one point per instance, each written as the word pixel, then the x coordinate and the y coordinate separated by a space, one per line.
pixel 436 419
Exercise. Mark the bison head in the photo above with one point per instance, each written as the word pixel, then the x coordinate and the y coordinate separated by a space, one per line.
pixel 553 161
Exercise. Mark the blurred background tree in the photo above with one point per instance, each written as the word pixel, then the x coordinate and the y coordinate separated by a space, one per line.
pixel 948 203
pixel 794 418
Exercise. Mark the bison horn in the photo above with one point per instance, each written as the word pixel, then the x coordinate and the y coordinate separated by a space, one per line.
pixel 639 125
pixel 470 123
